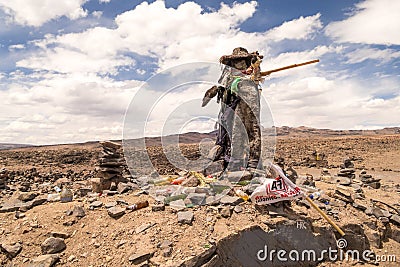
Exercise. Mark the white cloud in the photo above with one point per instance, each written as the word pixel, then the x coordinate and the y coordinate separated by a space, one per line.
pixel 16 47
pixel 97 14
pixel 297 29
pixel 373 22
pixel 362 54
pixel 37 12
pixel 325 103
pixel 54 110
pixel 104 1
pixel 171 36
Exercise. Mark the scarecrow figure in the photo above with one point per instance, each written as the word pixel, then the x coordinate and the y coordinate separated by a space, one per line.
pixel 238 143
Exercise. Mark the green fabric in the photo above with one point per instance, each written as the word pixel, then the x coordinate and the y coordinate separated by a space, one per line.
pixel 234 85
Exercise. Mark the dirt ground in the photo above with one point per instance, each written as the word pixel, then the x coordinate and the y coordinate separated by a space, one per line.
pixel 99 240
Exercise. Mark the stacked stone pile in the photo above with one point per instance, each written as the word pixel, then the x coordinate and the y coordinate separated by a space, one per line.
pixel 110 169
pixel 368 180
pixel 3 178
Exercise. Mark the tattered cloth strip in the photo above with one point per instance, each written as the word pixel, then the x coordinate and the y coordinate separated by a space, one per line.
pixel 275 190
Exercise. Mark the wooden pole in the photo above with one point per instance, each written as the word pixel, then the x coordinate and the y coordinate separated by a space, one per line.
pixel 268 72
pixel 325 216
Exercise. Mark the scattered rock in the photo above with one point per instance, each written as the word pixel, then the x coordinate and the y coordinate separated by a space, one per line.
pixel 123 188
pixel 138 258
pixel 197 198
pixel 96 204
pixel 79 212
pixel 185 217
pixel 11 250
pixel 178 204
pixel 238 209
pixel 44 261
pixel 395 219
pixel 116 212
pixel 110 204
pixel 228 200
pixel 143 227
pixel 226 212
pixel 158 207
pixel 53 245
pixel 27 196
pixel 59 235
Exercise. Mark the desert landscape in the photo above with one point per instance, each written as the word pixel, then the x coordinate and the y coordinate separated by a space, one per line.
pixel 356 172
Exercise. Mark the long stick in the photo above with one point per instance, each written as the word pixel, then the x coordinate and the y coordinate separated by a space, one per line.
pixel 325 216
pixel 268 72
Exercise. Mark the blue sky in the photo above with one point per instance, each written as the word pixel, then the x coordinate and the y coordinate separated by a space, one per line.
pixel 69 69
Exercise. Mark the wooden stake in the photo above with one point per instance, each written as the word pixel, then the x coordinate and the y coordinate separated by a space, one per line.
pixel 325 216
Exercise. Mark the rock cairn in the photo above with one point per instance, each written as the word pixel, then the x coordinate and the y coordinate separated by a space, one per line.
pixel 3 178
pixel 347 170
pixel 111 164
pixel 368 180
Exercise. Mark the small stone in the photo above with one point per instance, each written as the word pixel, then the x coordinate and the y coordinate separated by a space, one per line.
pixel 228 200
pixel 377 212
pixel 96 204
pixel 158 207
pixel 122 188
pixel 238 209
pixel 226 212
pixel 71 258
pixel 197 198
pixel 345 181
pixel 53 245
pixel 185 217
pixel 19 215
pixel 11 250
pixel 137 258
pixel 359 206
pixel 116 212
pixel 143 227
pixel 68 212
pixel 167 252
pixel 26 196
pixel 178 204
pixel 166 244
pixel 212 200
pixel 395 219
pixel 110 204
pixel 79 212
pixel 44 260
pixel 375 185
pixel 386 213
pixel 59 235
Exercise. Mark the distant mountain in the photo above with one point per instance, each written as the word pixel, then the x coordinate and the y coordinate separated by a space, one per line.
pixel 4 146
pixel 308 131
pixel 195 137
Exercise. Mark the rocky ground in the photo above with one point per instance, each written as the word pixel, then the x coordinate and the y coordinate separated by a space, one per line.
pixel 104 229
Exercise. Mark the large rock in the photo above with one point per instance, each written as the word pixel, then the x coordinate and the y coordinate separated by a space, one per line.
pixel 44 261
pixel 53 245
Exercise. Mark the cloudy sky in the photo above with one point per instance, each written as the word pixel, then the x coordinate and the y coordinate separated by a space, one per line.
pixel 70 69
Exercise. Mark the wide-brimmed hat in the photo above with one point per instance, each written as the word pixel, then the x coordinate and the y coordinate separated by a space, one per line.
pixel 238 53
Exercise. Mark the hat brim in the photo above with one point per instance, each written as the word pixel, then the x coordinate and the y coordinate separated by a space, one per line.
pixel 228 58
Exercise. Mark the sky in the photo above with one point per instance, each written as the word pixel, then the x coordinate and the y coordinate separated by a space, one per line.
pixel 71 70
